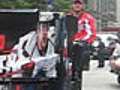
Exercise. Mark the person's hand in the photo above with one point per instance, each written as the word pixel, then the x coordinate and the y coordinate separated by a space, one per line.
pixel 97 49
pixel 76 41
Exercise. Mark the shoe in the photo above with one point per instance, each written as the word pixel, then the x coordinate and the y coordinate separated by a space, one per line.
pixel 75 81
pixel 78 80
pixel 100 66
pixel 111 71
pixel 76 76
pixel 72 82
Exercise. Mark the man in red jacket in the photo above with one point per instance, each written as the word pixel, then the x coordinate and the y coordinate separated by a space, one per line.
pixel 82 39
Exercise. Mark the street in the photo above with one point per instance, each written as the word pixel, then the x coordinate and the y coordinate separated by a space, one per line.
pixel 99 78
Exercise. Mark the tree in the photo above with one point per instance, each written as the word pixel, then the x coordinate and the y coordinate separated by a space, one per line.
pixel 59 5
pixel 65 6
pixel 19 4
pixel 62 5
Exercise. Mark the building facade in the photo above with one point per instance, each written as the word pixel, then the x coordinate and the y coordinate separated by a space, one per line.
pixel 106 12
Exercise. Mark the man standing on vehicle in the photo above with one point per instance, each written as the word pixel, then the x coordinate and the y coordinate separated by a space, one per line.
pixel 82 39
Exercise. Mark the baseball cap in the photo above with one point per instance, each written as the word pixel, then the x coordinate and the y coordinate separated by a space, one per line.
pixel 75 1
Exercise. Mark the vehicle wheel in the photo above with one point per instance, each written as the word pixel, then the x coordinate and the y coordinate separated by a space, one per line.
pixel 118 79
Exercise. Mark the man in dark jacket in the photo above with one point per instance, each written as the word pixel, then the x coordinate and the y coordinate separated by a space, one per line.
pixel 101 54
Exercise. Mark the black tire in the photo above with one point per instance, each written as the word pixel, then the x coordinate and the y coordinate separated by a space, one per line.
pixel 118 79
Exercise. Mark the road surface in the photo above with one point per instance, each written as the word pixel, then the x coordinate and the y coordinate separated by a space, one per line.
pixel 99 78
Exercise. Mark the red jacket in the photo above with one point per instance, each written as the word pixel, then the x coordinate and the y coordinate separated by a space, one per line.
pixel 86 28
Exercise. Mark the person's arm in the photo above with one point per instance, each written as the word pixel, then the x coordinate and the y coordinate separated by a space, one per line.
pixel 88 29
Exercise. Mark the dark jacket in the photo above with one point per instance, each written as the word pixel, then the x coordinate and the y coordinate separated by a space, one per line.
pixel 101 47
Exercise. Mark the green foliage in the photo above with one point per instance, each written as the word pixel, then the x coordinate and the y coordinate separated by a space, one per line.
pixel 65 6
pixel 62 5
pixel 19 4
pixel 59 5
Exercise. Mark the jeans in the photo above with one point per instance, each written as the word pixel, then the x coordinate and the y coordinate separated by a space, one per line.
pixel 80 56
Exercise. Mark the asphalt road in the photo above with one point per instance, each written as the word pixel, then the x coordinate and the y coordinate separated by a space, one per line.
pixel 99 78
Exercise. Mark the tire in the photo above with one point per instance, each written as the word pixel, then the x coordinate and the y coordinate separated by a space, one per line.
pixel 118 79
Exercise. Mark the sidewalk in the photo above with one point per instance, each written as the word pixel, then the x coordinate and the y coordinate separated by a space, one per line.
pixel 99 78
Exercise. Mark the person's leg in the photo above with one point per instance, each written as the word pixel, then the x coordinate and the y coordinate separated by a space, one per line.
pixel 75 61
pixel 112 65
pixel 101 61
pixel 80 57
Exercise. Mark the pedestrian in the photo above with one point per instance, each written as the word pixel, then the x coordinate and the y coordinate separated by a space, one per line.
pixel 101 53
pixel 81 40
pixel 112 44
pixel 115 57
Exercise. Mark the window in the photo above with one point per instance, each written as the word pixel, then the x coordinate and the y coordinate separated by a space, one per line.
pixel 112 6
